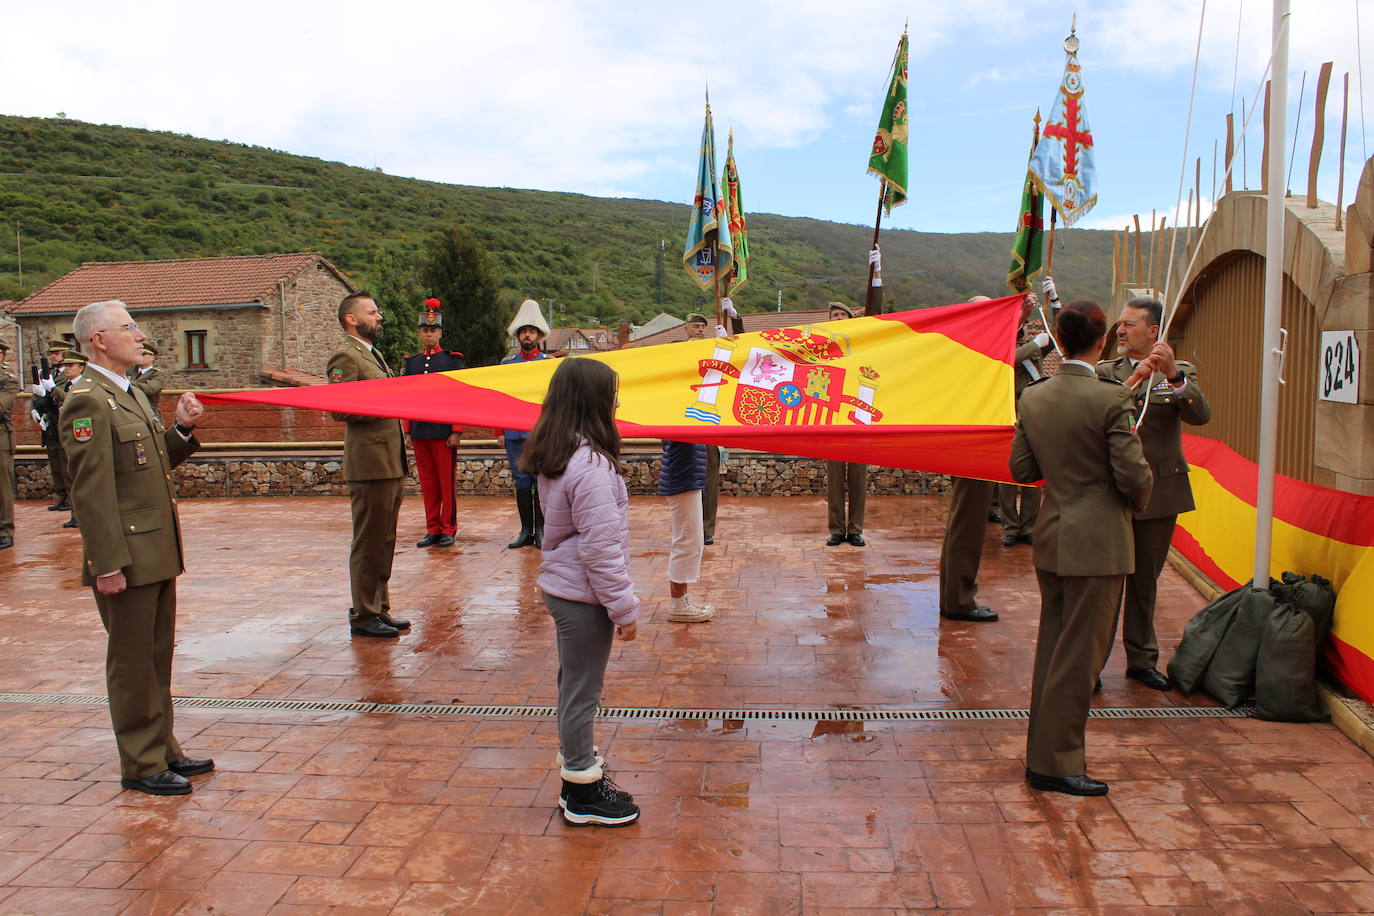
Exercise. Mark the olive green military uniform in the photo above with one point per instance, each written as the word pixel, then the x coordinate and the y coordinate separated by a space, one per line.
pixel 1161 435
pixel 1018 505
pixel 373 467
pixel 846 482
pixel 961 551
pixel 710 494
pixel 1075 433
pixel 119 463
pixel 149 382
pixel 9 388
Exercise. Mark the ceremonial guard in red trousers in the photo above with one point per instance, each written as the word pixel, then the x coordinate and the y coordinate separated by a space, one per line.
pixel 435 443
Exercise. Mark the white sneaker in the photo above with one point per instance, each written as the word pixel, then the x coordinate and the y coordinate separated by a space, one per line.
pixel 685 610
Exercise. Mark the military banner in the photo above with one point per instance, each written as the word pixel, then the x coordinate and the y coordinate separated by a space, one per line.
pixel 888 158
pixel 1028 249
pixel 734 217
pixel 708 247
pixel 929 390
pixel 1064 165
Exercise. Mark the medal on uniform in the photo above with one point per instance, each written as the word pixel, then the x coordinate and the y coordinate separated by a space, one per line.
pixel 140 453
pixel 113 405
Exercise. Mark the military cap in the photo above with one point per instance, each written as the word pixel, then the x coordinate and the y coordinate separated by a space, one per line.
pixel 841 306
pixel 150 347
pixel 73 358
pixel 430 316
pixel 529 316
pixel 58 346
pixel 696 316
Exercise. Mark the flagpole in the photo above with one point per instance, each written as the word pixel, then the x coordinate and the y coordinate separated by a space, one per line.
pixel 715 276
pixel 872 266
pixel 1049 256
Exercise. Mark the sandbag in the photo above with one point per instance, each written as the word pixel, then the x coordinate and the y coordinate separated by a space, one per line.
pixel 1311 594
pixel 1230 675
pixel 1201 636
pixel 1286 667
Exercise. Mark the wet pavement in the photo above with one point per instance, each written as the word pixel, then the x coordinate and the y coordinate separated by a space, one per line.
pixel 314 810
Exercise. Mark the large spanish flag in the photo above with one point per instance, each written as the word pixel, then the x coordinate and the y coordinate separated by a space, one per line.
pixel 1317 530
pixel 929 389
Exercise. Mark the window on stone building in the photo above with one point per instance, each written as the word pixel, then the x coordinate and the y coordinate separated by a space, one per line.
pixel 195 350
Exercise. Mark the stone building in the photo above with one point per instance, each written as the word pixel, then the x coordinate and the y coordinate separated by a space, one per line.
pixel 233 322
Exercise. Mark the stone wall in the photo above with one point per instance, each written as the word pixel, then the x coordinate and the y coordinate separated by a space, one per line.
pixel 484 474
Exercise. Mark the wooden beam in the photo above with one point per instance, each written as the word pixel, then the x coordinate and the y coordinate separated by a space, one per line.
pixel 1230 152
pixel 1318 134
pixel 1340 180
pixel 1139 262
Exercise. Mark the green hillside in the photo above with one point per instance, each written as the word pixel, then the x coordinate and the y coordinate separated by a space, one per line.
pixel 85 192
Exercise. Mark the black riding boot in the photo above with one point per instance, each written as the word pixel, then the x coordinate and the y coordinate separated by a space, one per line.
pixel 538 520
pixel 524 501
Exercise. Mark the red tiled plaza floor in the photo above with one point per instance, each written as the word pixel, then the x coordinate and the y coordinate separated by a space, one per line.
pixel 312 811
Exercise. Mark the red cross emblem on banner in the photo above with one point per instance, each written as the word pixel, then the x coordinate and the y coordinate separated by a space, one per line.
pixel 1073 137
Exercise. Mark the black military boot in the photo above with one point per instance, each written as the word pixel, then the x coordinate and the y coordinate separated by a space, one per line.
pixel 538 520
pixel 524 501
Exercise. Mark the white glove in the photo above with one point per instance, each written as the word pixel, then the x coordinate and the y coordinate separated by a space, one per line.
pixel 48 385
pixel 37 391
pixel 727 307
pixel 39 419
pixel 1042 340
pixel 875 257
pixel 1047 287
pixel 721 332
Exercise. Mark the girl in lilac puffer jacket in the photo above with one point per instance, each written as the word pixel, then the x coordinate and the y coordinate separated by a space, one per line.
pixel 585 575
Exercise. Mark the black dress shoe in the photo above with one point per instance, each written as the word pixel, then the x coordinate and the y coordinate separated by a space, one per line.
pixel 1027 539
pixel 1149 677
pixel 981 614
pixel 1097 688
pixel 6 542
pixel 858 540
pixel 63 506
pixel 191 766
pixel 835 540
pixel 524 539
pixel 397 622
pixel 1009 539
pixel 69 523
pixel 1069 785
pixel 164 783
pixel 377 628
pixel 54 507
pixel 445 540
pixel 708 540
pixel 428 540
pixel 994 517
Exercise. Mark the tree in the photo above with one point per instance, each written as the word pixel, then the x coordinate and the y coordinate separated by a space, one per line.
pixel 457 272
pixel 397 292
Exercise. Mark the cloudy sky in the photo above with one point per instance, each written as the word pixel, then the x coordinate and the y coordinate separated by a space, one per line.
pixel 604 97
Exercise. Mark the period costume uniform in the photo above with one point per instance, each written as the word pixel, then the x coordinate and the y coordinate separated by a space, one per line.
pixel 9 389
pixel 526 500
pixel 1018 505
pixel 846 491
pixel 1172 403
pixel 435 459
pixel 374 466
pixel 1075 433
pixel 149 380
pixel 120 460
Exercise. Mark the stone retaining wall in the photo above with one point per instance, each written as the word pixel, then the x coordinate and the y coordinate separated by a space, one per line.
pixel 745 474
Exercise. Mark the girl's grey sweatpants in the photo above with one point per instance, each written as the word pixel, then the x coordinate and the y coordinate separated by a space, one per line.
pixel 585 632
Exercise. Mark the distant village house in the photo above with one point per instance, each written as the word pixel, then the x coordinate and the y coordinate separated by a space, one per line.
pixel 233 322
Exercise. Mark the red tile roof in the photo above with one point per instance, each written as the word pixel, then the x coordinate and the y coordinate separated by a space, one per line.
pixel 188 283
pixel 757 321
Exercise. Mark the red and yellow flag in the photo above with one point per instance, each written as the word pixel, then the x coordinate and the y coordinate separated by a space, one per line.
pixel 1316 530
pixel 929 390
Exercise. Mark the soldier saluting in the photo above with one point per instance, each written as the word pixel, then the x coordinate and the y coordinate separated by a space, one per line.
pixel 434 443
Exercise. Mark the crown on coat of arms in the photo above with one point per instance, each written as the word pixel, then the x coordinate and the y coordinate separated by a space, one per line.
pixel 806 345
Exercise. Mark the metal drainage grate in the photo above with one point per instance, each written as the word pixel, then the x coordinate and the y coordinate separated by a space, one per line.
pixel 641 712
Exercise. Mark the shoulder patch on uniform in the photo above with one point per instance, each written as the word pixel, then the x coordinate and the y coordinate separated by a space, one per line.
pixel 82 430
pixel 455 353
pixel 336 374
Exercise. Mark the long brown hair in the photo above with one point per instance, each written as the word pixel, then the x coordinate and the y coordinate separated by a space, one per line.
pixel 579 405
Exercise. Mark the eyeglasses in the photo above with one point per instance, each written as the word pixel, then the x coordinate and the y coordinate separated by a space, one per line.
pixel 132 327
